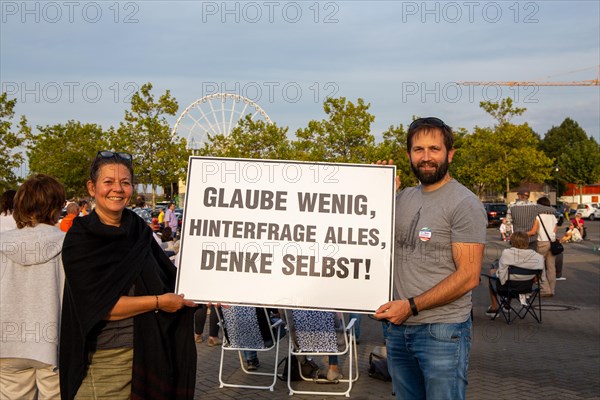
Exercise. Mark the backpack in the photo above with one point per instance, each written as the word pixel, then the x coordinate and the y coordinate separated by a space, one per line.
pixel 378 368
pixel 309 369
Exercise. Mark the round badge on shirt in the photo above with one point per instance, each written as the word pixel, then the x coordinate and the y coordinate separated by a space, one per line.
pixel 425 234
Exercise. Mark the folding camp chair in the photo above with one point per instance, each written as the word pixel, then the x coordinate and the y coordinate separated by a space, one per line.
pixel 517 298
pixel 315 333
pixel 242 332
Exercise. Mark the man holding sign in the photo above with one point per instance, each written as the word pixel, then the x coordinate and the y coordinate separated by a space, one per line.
pixel 440 231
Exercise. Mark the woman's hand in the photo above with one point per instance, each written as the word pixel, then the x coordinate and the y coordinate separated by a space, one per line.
pixel 171 302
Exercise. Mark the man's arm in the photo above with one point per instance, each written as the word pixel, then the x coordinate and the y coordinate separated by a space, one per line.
pixel 467 258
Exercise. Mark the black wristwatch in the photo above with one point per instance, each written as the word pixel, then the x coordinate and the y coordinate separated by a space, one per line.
pixel 413 306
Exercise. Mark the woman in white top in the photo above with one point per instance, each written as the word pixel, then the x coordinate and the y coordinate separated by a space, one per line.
pixel 544 238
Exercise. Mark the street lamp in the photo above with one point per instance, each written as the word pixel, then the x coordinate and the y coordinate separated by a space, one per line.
pixel 556 169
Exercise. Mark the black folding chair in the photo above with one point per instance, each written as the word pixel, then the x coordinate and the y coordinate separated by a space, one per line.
pixel 518 298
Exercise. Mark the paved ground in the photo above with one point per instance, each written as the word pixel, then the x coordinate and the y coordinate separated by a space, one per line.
pixel 557 359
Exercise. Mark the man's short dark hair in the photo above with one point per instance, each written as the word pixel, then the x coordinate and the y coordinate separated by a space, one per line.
pixel 430 124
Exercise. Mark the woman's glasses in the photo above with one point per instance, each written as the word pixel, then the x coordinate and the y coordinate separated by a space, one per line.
pixel 106 154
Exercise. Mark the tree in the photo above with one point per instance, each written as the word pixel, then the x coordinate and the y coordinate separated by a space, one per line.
pixel 558 144
pixel 343 137
pixel 393 147
pixel 580 163
pixel 506 154
pixel 502 111
pixel 66 151
pixel 10 141
pixel 251 139
pixel 159 158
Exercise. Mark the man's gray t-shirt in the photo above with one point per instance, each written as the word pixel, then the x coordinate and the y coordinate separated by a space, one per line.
pixel 426 225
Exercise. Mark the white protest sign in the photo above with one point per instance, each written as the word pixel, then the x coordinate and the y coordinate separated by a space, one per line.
pixel 287 234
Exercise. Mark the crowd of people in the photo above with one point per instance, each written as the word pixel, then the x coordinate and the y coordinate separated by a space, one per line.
pixel 105 280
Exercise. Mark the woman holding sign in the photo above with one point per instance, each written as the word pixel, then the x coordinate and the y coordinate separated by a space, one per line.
pixel 124 334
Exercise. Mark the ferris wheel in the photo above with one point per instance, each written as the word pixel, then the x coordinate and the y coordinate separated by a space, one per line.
pixel 215 114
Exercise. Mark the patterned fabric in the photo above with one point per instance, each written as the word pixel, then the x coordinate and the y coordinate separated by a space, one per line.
pixel 315 330
pixel 241 326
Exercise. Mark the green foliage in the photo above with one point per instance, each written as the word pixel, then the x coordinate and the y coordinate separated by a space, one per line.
pixel 576 155
pixel 580 162
pixel 344 137
pixel 500 157
pixel 393 147
pixel 251 139
pixel 159 158
pixel 10 141
pixel 502 111
pixel 66 151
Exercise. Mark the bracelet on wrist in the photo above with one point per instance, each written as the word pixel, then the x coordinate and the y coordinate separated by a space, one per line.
pixel 413 306
pixel 156 309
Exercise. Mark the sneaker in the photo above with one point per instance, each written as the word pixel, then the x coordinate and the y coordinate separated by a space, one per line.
pixel 252 365
pixel 334 375
pixel 214 341
pixel 561 279
pixel 491 313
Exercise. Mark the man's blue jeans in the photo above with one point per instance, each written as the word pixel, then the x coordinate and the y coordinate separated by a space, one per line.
pixel 429 361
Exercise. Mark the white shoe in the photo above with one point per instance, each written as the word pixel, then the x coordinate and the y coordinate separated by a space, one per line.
pixel 561 279
pixel 334 375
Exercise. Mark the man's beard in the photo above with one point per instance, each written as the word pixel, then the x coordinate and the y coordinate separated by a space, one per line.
pixel 429 178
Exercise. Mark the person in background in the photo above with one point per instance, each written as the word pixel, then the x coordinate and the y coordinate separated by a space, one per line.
pixel 140 201
pixel 572 235
pixel 213 327
pixel 7 221
pixel 161 218
pixel 544 228
pixel 518 255
pixel 83 206
pixel 124 333
pixel 580 225
pixel 523 213
pixel 171 219
pixel 504 234
pixel 31 288
pixel 72 213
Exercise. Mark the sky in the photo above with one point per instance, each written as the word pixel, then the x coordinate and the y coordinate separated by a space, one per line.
pixel 82 60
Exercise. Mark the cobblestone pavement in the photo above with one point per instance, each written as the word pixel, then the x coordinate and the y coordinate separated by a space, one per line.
pixel 557 359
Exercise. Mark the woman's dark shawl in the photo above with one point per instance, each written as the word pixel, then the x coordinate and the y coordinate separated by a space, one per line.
pixel 101 264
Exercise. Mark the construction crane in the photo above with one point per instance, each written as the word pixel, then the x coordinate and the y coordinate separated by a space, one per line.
pixel 590 82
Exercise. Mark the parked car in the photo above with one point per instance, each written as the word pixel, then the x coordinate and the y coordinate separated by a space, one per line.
pixel 587 210
pixel 495 212
pixel 595 214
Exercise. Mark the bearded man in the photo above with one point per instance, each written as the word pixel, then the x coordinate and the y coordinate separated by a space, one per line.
pixel 440 233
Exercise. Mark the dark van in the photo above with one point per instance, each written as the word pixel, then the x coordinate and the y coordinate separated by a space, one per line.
pixel 495 212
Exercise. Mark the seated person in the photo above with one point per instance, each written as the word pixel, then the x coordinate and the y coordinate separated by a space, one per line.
pixel 504 230
pixel 572 235
pixel 580 225
pixel 251 356
pixel 168 243
pixel 519 255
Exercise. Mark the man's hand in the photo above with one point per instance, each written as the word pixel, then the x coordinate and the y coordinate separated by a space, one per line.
pixel 396 311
